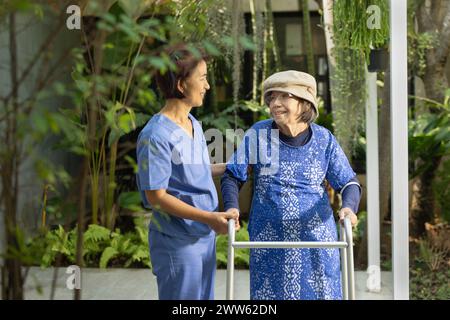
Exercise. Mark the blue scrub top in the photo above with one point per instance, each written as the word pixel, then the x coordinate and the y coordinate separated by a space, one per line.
pixel 168 158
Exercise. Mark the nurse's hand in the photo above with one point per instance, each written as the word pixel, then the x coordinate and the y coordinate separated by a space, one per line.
pixel 219 220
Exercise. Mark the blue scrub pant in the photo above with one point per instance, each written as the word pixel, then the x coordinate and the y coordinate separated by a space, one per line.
pixel 184 268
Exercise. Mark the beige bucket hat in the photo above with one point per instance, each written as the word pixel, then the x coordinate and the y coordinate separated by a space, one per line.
pixel 299 84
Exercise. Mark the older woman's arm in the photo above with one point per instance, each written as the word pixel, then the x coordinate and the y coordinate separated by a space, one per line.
pixel 351 195
pixel 230 186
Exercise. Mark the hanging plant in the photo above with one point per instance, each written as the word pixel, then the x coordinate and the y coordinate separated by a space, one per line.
pixel 359 26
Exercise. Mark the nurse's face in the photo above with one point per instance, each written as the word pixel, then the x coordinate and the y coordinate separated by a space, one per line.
pixel 284 107
pixel 196 85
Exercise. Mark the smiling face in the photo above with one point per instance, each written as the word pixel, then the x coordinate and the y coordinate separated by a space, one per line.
pixel 195 86
pixel 285 108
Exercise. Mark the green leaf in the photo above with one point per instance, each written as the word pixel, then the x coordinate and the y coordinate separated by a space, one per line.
pixel 140 254
pixel 96 233
pixel 443 135
pixel 130 200
pixel 98 8
pixel 114 135
pixel 228 41
pixel 150 23
pixel 247 43
pixel 133 163
pixel 116 50
pixel 211 48
pixel 110 18
pixel 126 122
pixel 105 26
pixel 52 122
pixel 107 255
pixel 158 63
pixel 135 8
pixel 39 121
pixel 132 34
pixel 447 92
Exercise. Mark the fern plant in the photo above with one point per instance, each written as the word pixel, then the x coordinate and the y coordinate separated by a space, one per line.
pixel 59 242
pixel 132 246
pixel 100 246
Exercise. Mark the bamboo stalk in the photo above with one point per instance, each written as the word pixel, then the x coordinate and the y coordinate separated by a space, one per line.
pixel 255 58
pixel 264 52
pixel 273 36
pixel 307 37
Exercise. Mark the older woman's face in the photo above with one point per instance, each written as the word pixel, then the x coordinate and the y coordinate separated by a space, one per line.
pixel 284 107
pixel 196 85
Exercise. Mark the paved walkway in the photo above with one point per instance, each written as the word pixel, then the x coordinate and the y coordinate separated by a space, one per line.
pixel 140 284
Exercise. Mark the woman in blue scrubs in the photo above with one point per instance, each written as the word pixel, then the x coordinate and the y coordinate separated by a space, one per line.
pixel 175 180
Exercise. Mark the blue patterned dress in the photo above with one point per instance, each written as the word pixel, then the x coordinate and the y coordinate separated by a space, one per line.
pixel 291 204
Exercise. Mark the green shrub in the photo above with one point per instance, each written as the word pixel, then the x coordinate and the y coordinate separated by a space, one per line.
pixel 101 247
pixel 426 285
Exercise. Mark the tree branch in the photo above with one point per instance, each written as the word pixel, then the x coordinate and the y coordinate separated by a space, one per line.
pixel 44 81
pixel 36 58
pixel 12 127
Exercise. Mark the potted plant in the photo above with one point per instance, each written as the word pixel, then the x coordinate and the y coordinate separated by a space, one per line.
pixel 378 59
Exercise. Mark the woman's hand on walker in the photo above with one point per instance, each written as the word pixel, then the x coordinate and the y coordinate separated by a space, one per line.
pixel 235 212
pixel 344 212
pixel 219 220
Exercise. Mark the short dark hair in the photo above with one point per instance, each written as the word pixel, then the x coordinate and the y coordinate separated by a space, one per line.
pixel 185 59
pixel 309 113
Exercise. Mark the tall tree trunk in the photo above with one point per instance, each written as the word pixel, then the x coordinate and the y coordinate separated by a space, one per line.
pixel 12 279
pixel 384 135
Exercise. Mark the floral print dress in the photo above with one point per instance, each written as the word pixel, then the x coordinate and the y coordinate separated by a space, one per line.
pixel 290 203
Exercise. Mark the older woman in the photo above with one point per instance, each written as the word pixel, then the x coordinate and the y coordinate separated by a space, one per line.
pixel 290 202
pixel 175 180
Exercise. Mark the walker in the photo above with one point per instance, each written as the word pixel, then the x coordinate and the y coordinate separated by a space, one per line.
pixel 345 245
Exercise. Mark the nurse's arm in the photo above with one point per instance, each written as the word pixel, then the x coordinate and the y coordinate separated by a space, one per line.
pixel 218 169
pixel 218 221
